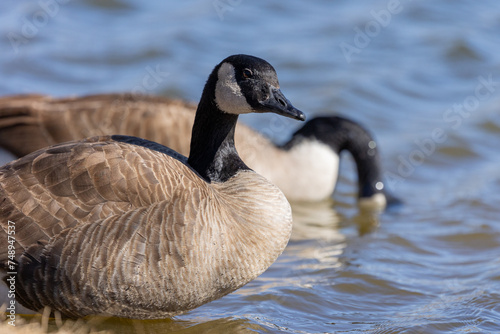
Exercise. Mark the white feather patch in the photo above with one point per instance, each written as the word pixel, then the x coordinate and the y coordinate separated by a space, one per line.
pixel 307 172
pixel 228 95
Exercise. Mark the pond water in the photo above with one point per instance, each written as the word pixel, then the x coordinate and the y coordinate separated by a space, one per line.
pixel 423 76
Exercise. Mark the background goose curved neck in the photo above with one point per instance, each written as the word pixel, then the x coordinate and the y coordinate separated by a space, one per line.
pixel 341 134
pixel 212 152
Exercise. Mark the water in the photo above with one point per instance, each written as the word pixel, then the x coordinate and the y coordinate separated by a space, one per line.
pixel 425 80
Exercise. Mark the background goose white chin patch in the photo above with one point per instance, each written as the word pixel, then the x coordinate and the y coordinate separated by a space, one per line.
pixel 228 95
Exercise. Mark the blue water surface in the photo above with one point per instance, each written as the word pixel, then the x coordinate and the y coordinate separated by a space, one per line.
pixel 423 76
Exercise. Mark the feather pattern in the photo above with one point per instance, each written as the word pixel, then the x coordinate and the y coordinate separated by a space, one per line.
pixel 104 220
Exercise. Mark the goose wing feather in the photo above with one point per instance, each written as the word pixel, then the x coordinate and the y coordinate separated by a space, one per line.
pixel 79 205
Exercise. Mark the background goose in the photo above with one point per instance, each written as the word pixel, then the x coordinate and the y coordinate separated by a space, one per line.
pixel 31 122
pixel 123 226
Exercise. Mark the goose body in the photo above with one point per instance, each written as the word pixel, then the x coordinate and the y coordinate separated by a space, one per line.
pixel 31 122
pixel 123 226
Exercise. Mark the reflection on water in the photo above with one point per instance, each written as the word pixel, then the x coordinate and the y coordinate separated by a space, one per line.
pixel 223 325
pixel 317 220
pixel 129 326
pixel 429 266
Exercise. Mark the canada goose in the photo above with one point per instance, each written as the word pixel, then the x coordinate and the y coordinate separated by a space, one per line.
pixel 31 122
pixel 123 226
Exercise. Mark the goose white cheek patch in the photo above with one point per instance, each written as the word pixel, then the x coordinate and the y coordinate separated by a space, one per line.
pixel 228 95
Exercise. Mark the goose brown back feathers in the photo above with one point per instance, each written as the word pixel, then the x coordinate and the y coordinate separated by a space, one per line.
pixel 32 122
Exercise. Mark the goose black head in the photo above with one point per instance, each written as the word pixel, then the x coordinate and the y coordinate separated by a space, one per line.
pixel 248 84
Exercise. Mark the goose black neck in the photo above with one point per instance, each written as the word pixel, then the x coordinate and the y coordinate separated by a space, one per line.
pixel 342 134
pixel 212 152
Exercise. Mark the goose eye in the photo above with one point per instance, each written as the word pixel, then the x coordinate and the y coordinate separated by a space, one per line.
pixel 247 73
